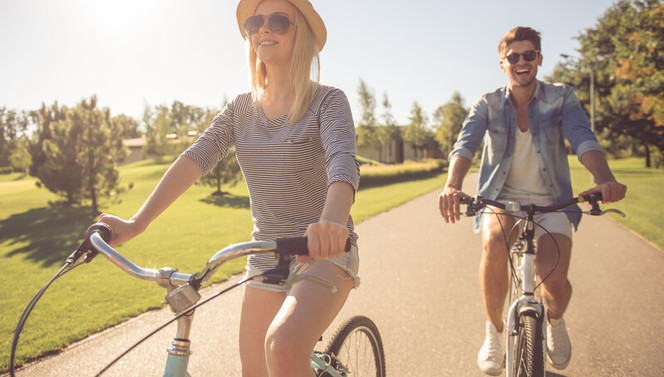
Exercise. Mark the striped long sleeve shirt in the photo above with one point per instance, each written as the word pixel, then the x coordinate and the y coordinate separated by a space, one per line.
pixel 287 166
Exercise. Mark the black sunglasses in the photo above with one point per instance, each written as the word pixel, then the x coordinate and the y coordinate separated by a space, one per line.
pixel 278 23
pixel 528 56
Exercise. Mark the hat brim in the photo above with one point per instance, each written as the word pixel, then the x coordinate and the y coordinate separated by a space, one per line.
pixel 246 9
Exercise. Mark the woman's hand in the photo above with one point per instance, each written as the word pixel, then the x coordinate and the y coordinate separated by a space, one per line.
pixel 123 230
pixel 326 240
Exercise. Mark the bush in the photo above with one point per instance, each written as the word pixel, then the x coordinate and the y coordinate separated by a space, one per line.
pixel 409 170
pixel 6 170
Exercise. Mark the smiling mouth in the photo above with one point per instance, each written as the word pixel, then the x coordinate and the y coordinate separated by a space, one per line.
pixel 522 71
pixel 267 43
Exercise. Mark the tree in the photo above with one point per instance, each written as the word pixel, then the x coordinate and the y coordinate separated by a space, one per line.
pixel 389 132
pixel 157 131
pixel 20 159
pixel 13 125
pixel 448 120
pixel 82 153
pixel 624 52
pixel 416 132
pixel 366 128
pixel 44 118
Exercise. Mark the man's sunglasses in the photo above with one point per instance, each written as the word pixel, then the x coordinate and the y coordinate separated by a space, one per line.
pixel 276 22
pixel 528 56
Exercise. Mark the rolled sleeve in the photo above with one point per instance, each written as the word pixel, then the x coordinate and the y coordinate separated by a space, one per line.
pixel 214 143
pixel 472 131
pixel 338 138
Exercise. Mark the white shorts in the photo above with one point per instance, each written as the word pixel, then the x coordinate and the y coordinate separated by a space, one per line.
pixel 551 222
pixel 257 264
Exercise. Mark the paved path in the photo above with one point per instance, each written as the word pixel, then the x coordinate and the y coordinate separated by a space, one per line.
pixel 420 286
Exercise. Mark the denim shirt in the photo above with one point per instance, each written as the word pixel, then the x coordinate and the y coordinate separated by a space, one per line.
pixel 554 113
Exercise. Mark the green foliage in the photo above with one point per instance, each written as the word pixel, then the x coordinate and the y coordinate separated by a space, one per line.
pixel 625 54
pixel 13 126
pixel 417 132
pixel 379 175
pixel 81 153
pixel 366 127
pixel 448 120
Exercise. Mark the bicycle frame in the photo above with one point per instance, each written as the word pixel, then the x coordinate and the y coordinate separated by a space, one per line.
pixel 527 301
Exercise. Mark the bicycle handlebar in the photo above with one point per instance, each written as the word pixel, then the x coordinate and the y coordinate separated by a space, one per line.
pixel 100 235
pixel 477 203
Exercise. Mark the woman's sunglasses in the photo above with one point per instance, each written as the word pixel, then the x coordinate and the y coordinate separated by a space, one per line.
pixel 528 56
pixel 276 22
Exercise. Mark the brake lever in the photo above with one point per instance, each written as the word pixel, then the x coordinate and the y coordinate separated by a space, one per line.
pixel 614 210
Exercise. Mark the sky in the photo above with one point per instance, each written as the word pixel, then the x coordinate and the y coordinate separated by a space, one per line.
pixel 138 53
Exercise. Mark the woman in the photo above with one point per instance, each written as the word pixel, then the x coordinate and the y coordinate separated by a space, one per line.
pixel 295 143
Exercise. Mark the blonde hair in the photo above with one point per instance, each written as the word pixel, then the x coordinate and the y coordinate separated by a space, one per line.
pixel 304 61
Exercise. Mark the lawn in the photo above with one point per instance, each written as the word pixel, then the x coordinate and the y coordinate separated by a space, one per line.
pixel 644 195
pixel 35 238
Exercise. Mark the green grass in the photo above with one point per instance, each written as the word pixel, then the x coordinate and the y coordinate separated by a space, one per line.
pixel 643 202
pixel 35 238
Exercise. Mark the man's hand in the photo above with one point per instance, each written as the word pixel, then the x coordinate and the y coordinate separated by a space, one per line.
pixel 449 204
pixel 612 191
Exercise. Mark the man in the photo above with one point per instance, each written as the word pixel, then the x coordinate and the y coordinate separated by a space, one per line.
pixel 523 127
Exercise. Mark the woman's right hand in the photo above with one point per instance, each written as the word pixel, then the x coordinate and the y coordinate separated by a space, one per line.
pixel 123 230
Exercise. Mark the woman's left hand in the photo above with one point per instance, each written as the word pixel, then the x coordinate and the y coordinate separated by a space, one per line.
pixel 326 240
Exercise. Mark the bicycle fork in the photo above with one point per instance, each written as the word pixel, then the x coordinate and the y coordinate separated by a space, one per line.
pixel 525 303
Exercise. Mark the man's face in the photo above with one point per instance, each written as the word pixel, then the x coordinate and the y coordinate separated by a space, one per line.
pixel 521 73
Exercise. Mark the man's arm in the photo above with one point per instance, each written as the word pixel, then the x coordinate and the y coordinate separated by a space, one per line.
pixel 449 199
pixel 595 162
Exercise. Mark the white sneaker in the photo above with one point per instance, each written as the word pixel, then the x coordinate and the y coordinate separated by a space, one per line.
pixel 558 347
pixel 491 358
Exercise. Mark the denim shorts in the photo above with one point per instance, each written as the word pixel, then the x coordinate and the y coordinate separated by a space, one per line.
pixel 257 264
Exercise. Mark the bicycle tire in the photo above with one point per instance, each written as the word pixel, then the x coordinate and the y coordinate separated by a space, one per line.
pixel 529 350
pixel 358 347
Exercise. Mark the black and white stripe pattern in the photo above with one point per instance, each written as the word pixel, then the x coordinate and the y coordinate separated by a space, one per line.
pixel 287 166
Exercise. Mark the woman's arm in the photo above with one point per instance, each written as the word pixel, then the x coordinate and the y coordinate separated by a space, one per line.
pixel 180 176
pixel 327 238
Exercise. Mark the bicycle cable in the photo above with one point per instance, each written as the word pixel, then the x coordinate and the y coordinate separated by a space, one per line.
pixel 178 316
pixel 28 309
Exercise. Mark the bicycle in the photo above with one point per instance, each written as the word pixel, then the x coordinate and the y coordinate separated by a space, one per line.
pixel 356 348
pixel 526 331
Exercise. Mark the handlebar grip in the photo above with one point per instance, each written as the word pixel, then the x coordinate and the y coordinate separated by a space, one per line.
pixel 104 230
pixel 298 245
pixel 592 197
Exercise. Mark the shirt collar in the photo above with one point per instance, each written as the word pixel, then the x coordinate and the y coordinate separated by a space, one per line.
pixel 536 95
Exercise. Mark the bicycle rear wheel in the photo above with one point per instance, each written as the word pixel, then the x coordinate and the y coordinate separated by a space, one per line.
pixel 357 349
pixel 529 350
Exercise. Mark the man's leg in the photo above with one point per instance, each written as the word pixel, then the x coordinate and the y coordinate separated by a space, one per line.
pixel 494 282
pixel 556 292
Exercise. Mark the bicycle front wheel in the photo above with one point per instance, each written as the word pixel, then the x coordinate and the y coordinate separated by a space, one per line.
pixel 529 352
pixel 357 349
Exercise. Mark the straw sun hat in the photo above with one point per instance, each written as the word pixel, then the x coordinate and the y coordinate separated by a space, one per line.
pixel 246 9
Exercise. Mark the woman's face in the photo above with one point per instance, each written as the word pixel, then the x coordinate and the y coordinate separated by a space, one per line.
pixel 274 47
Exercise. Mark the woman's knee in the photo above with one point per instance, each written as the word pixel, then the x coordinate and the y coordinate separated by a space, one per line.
pixel 284 351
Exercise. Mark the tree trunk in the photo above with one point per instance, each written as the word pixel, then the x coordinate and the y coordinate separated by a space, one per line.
pixel 648 160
